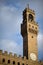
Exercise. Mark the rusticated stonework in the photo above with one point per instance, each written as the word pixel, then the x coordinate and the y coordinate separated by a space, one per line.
pixel 29 32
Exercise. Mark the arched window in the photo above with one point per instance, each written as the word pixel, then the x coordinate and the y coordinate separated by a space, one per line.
pixel 23 64
pixel 18 63
pixel 8 61
pixel 26 64
pixel 13 62
pixel 32 36
pixel 3 60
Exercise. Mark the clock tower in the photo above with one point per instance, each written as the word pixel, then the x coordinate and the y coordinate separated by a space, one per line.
pixel 29 31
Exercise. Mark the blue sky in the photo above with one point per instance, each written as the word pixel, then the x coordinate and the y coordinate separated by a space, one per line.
pixel 10 22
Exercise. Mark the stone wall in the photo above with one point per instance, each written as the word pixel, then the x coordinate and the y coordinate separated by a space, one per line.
pixel 9 59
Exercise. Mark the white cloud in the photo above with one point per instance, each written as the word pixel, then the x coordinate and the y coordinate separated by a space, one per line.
pixel 40 38
pixel 11 46
pixel 10 24
pixel 40 46
pixel 9 19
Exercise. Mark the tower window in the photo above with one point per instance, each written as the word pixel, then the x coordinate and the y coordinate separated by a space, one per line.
pixel 29 25
pixel 32 26
pixel 23 64
pixel 35 27
pixel 32 36
pixel 13 62
pixel 31 17
pixel 8 61
pixel 3 60
pixel 18 63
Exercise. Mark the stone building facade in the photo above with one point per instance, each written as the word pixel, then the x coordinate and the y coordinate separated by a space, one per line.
pixel 9 59
pixel 29 32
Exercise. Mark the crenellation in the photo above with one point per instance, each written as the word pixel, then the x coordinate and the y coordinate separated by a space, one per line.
pixel 24 57
pixel 10 54
pixel 33 22
pixel 15 55
pixel 19 55
pixel 31 11
pixel 5 52
pixel 1 51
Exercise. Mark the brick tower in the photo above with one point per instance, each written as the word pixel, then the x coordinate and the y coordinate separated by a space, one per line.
pixel 29 31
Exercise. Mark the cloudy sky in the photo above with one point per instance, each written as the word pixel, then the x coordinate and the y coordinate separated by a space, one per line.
pixel 10 21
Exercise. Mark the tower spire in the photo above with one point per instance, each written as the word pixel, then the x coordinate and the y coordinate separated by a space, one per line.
pixel 27 5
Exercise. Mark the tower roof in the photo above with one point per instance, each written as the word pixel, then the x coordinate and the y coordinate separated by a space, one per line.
pixel 27 9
